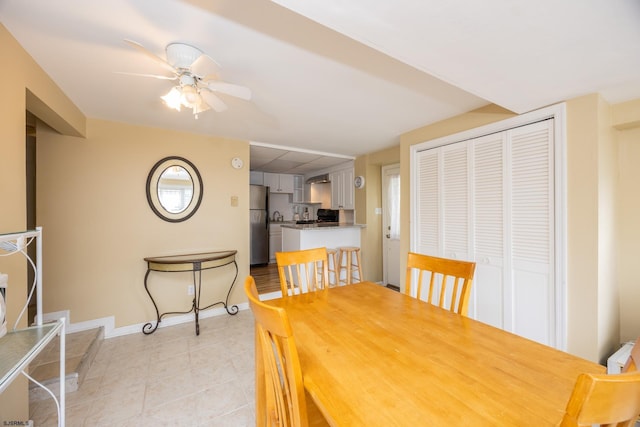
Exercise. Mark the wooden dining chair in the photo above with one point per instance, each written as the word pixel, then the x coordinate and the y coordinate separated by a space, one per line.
pixel 449 281
pixel 633 363
pixel 280 393
pixel 303 271
pixel 604 400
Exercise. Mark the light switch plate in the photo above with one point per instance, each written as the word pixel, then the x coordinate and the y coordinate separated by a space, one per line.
pixel 234 201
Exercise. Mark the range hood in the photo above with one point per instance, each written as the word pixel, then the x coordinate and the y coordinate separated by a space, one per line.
pixel 320 179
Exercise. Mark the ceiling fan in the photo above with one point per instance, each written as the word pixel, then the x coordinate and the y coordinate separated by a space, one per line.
pixel 191 90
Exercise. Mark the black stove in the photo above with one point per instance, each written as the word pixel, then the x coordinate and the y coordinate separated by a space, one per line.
pixel 328 215
pixel 306 221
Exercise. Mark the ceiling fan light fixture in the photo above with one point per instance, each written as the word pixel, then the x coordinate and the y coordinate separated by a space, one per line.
pixel 200 107
pixel 192 90
pixel 190 96
pixel 187 96
pixel 173 98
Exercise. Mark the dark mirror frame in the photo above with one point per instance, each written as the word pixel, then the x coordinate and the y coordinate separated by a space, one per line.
pixel 152 189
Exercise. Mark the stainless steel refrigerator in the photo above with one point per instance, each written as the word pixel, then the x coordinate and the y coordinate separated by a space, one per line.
pixel 259 219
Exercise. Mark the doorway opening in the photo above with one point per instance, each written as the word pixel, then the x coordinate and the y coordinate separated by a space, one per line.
pixel 391 226
pixel 30 168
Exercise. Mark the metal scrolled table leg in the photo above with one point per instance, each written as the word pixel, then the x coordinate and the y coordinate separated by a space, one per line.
pixel 149 328
pixel 198 291
pixel 234 308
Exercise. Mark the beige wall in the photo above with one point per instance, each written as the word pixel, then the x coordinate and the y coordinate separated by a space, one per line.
pixel 582 226
pixel 98 225
pixel 608 284
pixel 592 287
pixel 23 85
pixel 627 120
pixel 367 200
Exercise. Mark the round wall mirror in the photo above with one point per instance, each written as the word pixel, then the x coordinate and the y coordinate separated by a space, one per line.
pixel 174 189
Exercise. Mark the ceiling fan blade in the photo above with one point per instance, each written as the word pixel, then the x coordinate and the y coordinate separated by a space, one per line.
pixel 204 63
pixel 212 99
pixel 155 57
pixel 229 89
pixel 155 76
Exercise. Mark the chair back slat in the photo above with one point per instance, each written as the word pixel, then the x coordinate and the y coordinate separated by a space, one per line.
pixel 449 283
pixel 303 271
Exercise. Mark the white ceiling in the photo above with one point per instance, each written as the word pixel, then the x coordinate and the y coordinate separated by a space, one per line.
pixel 331 76
pixel 521 55
pixel 278 159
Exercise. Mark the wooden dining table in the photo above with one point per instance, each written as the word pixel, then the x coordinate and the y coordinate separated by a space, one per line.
pixel 371 356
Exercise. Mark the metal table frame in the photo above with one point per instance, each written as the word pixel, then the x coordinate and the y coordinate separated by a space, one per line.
pixel 19 347
pixel 195 263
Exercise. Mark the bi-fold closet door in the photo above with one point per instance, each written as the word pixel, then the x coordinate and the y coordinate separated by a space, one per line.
pixel 491 200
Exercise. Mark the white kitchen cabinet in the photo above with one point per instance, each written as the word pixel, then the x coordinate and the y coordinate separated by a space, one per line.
pixel 279 182
pixel 342 189
pixel 298 189
pixel 275 241
pixel 256 178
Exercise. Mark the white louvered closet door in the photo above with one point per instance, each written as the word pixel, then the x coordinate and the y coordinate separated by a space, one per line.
pixel 443 186
pixel 490 200
pixel 489 211
pixel 532 232
pixel 455 214
pixel 428 221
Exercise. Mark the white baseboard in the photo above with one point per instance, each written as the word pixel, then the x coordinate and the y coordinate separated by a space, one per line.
pixel 172 321
pixel 106 322
pixel 270 295
pixel 110 331
pixel 55 315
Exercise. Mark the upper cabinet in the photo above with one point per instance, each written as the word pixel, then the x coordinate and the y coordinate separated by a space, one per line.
pixel 342 189
pixel 256 178
pixel 279 182
pixel 298 189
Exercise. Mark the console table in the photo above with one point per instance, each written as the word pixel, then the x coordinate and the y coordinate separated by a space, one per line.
pixel 194 263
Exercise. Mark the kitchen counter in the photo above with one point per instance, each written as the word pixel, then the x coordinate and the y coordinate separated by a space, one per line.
pixel 320 226
pixel 329 235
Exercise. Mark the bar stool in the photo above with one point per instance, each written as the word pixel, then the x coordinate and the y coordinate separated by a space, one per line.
pixel 349 262
pixel 332 264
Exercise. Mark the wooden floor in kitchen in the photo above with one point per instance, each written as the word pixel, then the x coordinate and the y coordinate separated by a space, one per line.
pixel 266 278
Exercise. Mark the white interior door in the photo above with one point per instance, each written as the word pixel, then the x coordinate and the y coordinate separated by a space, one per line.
pixel 391 225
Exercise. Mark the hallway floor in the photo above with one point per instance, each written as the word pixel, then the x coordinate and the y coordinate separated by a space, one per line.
pixel 266 278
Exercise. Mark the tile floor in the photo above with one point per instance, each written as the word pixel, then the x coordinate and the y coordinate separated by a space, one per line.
pixel 169 378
